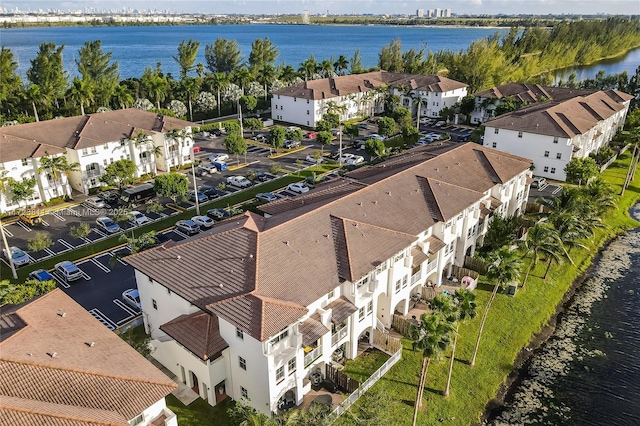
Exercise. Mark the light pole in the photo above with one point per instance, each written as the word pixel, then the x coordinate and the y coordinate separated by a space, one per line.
pixel 193 174
pixel 8 252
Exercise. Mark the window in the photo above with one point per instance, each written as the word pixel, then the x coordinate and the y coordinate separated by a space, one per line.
pixel 278 96
pixel 279 337
pixel 553 170
pixel 280 374
pixel 1 166
pixel 137 419
pixel 546 169
pixel 361 314
pixel 85 151
pixel 555 140
pixel 494 145
pixel 93 150
pixel 104 162
pixel 295 99
pixel 398 283
pixel 362 281
pixel 559 156
pixel 244 393
pixel 155 304
pixel 307 112
pixel 25 161
pixel 546 153
pixel 168 291
pixel 242 362
pixel 519 134
pixel 123 142
pixel 239 334
pixel 105 146
pixel 291 365
pixel 331 294
pixel 496 131
pixel 405 281
pixel 381 267
pixel 399 256
pixel 369 307
pixel 307 100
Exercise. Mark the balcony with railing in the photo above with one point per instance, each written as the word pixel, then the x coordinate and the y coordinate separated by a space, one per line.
pixel 92 172
pixel 339 335
pixel 311 356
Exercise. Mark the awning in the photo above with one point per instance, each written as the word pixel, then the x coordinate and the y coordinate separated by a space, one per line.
pixel 341 309
pixel 418 256
pixel 312 330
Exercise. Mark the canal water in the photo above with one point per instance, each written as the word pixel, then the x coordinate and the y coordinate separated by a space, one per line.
pixel 588 372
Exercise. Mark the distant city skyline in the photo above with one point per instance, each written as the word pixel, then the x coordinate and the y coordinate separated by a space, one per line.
pixel 376 7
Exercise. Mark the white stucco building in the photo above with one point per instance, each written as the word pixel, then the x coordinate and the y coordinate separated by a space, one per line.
pixel 93 142
pixel 276 298
pixel 362 95
pixel 551 133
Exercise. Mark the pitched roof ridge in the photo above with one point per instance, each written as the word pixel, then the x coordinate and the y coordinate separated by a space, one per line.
pixel 78 133
pixel 84 371
pixel 381 228
pixel 486 163
pixel 233 298
pixel 280 302
pixel 451 184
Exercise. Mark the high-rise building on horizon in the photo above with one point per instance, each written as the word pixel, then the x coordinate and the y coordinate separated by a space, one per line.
pixel 420 13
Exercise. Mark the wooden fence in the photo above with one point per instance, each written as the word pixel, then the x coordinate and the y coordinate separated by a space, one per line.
pixel 475 265
pixel 401 325
pixel 460 272
pixel 386 343
pixel 343 382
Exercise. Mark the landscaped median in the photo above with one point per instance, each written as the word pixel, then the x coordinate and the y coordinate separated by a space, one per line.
pixel 512 323
pixel 163 224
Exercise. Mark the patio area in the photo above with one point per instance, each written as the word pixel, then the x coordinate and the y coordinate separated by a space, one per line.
pixel 321 396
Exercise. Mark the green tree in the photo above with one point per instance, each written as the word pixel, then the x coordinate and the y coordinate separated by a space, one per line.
pixel 119 173
pixel 80 231
pixel 223 56
pixel 248 103
pixel 20 293
pixel 465 302
pixel 98 72
pixel 263 53
pixel 542 240
pixel 10 81
pixel 140 243
pixel 236 145
pixel 390 57
pixel 356 63
pixel 219 82
pixel 504 268
pixel 155 85
pixel 172 185
pixel 467 105
pixel 276 137
pixel 375 148
pixel 40 242
pixel 431 336
pixel 252 123
pixel 508 104
pixel 294 134
pixel 324 138
pixel 122 97
pixel 47 73
pixel 138 340
pixel 56 167
pixel 21 190
pixel 323 126
pixel 386 126
pixel 80 92
pixel 402 116
pixel 502 232
pixel 580 170
pixel 154 206
pixel 351 130
pixel 186 57
pixel 341 65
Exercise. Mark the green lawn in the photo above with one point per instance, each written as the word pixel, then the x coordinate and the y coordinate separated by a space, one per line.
pixel 200 413
pixel 511 324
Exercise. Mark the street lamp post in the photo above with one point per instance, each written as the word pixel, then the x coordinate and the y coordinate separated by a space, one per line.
pixel 193 174
pixel 8 252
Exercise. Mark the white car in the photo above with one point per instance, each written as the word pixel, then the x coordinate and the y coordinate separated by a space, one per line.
pixel 356 159
pixel 440 123
pixel 204 222
pixel 132 298
pixel 137 218
pixel 107 225
pixel 218 158
pixel 94 203
pixel 68 270
pixel 376 137
pixel 425 121
pixel 292 128
pixel 19 257
pixel 312 159
pixel 239 181
pixel 300 188
pixel 345 157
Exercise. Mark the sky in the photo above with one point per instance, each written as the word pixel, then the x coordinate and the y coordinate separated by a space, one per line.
pixel 376 7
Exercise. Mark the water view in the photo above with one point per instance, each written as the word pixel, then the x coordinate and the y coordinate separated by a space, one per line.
pixel 588 373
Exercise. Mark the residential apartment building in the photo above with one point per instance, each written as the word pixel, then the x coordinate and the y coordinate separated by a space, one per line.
pixel 551 133
pixel 273 299
pixel 362 95
pixel 61 366
pixel 93 141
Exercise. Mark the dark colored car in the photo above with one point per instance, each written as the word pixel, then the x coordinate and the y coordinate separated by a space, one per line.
pixel 210 192
pixel 108 197
pixel 218 214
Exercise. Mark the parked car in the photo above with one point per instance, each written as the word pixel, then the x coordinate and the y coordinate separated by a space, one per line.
pixel 94 203
pixel 204 222
pixel 239 181
pixel 187 226
pixel 193 195
pixel 218 157
pixel 300 188
pixel 107 225
pixel 314 160
pixel 538 182
pixel 108 197
pixel 210 192
pixel 290 144
pixel 424 121
pixel 356 159
pixel 19 257
pixel 292 128
pixel 218 214
pixel 132 298
pixel 68 270
pixel 216 132
pixel 137 218
pixel 259 138
pixel 40 275
pixel 311 135
pixel 362 125
pixel 376 137
pixel 197 149
pixel 263 177
pixel 345 157
pixel 266 196
pixel 336 132
pixel 209 167
pixel 440 123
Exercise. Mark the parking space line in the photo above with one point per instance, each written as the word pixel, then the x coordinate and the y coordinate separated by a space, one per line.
pixel 31 258
pixel 66 244
pixel 75 213
pixel 62 283
pixel 6 231
pixel 58 216
pixel 51 252
pixel 132 312
pixel 112 254
pixel 100 265
pixel 558 189
pixel 99 232
pixel 45 223
pixel 103 319
pixel 24 226
pixel 180 233
pixel 85 276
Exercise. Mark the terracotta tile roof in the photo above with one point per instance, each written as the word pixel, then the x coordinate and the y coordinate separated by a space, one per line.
pixel 199 333
pixel 532 92
pixel 564 119
pixel 418 256
pixel 10 321
pixel 312 330
pixel 341 309
pixel 303 254
pixel 17 411
pixel 435 244
pixel 108 376
pixel 332 87
pixel 53 136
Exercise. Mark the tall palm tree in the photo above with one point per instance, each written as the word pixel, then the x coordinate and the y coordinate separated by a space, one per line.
pixel 465 301
pixel 80 92
pixel 340 65
pixel 158 88
pixel 122 96
pixel 219 82
pixel 326 68
pixel 431 336
pixel 266 75
pixel 600 195
pixel 190 87
pixel 288 74
pixel 504 268
pixel 57 166
pixel 242 77
pixel 36 96
pixel 542 240
pixel 308 67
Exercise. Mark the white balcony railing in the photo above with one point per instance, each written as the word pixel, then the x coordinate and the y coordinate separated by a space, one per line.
pixel 430 266
pixel 337 336
pixel 415 277
pixel 312 356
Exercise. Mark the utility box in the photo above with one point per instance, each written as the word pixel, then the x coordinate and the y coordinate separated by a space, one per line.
pixel 512 289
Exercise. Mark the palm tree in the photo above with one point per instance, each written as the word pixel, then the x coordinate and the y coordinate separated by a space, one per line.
pixel 3 182
pixel 80 92
pixel 36 96
pixel 431 336
pixel 218 81
pixel 600 195
pixel 56 167
pixel 418 101
pixel 340 65
pixel 466 309
pixel 327 68
pixel 122 96
pixel 308 67
pixel 504 268
pixel 190 87
pixel 542 240
pixel 288 74
pixel 242 77
pixel 158 88
pixel 266 75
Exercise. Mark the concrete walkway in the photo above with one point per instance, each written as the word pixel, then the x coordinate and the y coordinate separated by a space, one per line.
pixel 184 393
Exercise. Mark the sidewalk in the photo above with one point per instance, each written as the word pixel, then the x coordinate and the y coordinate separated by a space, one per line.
pixel 78 198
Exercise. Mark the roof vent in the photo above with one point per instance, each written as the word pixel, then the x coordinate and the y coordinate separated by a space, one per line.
pixel 375 201
pixel 326 235
pixel 90 344
pixel 360 203
pixel 388 192
pixel 29 353
pixel 52 354
pixel 62 314
pixel 178 257
pixel 437 169
pixel 221 285
pixel 286 242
